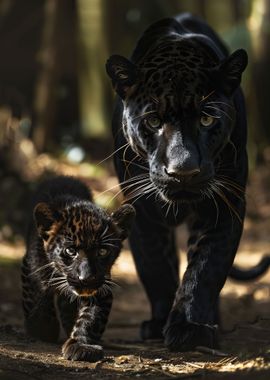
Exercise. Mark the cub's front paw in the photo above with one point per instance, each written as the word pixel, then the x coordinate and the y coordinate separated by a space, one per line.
pixel 152 329
pixel 74 350
pixel 181 335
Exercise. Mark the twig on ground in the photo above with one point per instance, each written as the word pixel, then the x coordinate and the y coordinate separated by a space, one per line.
pixel 211 351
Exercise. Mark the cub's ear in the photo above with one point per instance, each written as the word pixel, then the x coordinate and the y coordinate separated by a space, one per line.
pixel 43 216
pixel 123 218
pixel 231 69
pixel 123 73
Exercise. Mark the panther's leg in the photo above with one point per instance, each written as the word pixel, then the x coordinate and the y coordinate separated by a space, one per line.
pixel 215 311
pixel 39 311
pixel 88 329
pixel 153 247
pixel 191 321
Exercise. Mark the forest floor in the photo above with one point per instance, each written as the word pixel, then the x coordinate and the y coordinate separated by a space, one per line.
pixel 245 309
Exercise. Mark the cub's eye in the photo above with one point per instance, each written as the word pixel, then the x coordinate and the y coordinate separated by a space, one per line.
pixel 71 251
pixel 103 252
pixel 153 122
pixel 206 120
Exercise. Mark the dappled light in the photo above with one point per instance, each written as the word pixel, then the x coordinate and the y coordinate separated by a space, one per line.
pixel 56 105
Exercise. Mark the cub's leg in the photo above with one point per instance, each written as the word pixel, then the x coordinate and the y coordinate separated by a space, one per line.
pixel 39 311
pixel 192 320
pixel 88 329
pixel 68 313
pixel 153 247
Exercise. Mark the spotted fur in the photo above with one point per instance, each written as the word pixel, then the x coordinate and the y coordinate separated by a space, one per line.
pixel 66 271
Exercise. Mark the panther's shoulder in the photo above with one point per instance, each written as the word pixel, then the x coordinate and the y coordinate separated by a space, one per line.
pixel 184 25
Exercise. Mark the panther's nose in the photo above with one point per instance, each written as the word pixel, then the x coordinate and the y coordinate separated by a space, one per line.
pixel 182 174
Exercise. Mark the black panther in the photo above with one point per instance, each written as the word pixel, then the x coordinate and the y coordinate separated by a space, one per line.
pixel 180 134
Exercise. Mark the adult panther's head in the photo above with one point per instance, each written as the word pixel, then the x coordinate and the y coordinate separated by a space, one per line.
pixel 178 110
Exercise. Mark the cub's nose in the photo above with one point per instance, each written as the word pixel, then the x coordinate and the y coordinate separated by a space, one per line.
pixel 181 174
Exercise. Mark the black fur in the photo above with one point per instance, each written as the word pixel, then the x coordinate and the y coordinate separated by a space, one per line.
pixel 179 79
pixel 71 247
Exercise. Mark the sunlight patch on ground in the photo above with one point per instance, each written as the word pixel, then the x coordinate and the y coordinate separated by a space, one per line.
pixel 11 251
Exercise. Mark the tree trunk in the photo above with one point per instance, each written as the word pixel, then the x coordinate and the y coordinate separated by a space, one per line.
pixel 259 26
pixel 92 76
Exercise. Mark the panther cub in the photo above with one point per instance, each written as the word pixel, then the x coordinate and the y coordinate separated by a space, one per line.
pixel 71 247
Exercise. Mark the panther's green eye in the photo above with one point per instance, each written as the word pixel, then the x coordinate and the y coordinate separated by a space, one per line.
pixel 207 121
pixel 153 122
pixel 71 251
pixel 103 252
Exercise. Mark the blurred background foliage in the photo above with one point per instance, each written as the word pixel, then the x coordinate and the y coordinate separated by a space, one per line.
pixel 55 98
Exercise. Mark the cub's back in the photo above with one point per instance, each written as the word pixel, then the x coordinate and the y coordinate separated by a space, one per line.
pixel 59 187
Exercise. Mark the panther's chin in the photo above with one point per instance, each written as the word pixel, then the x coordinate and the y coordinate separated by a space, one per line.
pixel 185 194
pixel 182 196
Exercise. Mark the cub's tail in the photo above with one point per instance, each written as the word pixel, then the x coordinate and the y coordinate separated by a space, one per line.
pixel 252 273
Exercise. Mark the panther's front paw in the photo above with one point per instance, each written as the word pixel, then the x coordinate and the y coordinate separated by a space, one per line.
pixel 152 329
pixel 181 335
pixel 74 350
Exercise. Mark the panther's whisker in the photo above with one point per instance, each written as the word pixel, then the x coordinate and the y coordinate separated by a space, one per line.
pixel 207 96
pixel 113 153
pixel 231 190
pixel 142 190
pixel 231 182
pixel 211 196
pixel 235 150
pixel 139 182
pixel 227 202
pixel 124 190
pixel 220 110
pixel 124 160
pixel 175 210
pixel 135 164
pixel 218 102
pixel 128 189
pixel 143 114
pixel 208 114
pixel 151 190
pixel 123 183
pixel 168 209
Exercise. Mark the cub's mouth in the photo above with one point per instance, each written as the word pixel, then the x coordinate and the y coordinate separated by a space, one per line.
pixel 85 292
pixel 85 288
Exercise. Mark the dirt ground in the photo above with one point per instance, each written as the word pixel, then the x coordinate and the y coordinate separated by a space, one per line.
pixel 245 308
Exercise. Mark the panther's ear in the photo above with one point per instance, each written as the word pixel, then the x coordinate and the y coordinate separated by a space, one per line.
pixel 231 69
pixel 123 73
pixel 123 218
pixel 43 216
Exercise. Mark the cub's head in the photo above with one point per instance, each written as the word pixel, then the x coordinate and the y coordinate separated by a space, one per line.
pixel 178 111
pixel 81 242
